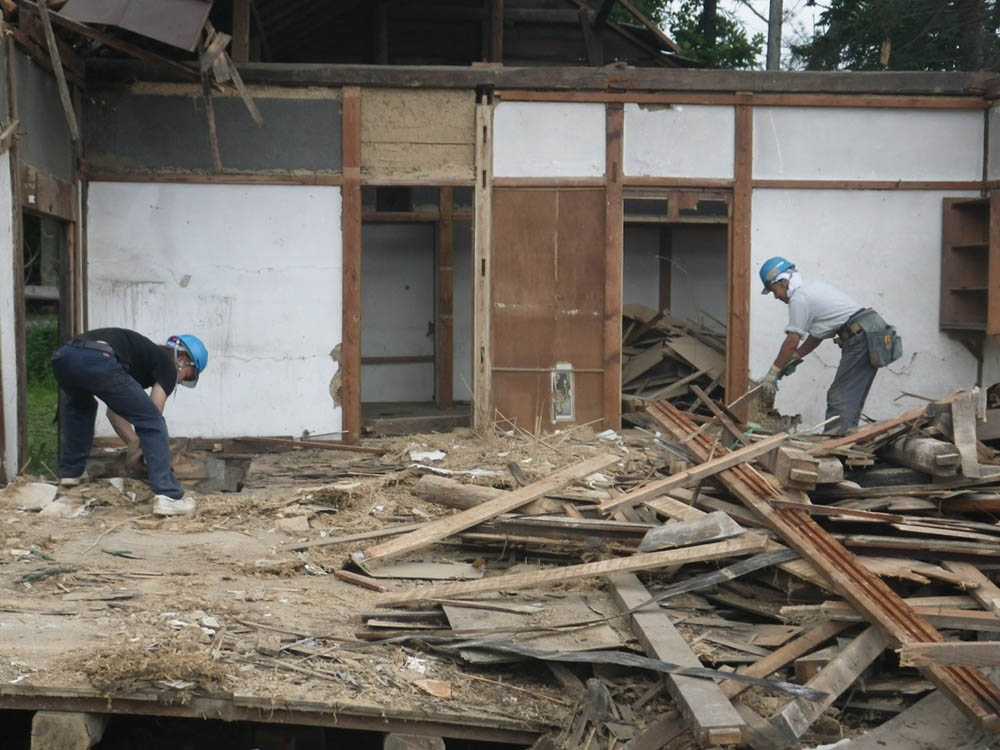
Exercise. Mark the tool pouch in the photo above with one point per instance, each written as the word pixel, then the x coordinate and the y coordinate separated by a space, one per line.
pixel 884 343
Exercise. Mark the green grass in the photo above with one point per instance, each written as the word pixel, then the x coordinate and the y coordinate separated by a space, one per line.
pixel 41 339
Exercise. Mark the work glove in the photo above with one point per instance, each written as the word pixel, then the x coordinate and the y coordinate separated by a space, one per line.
pixel 771 381
pixel 790 367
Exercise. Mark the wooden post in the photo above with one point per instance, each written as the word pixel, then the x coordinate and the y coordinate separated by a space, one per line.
pixel 482 345
pixel 738 312
pixel 350 353
pixel 240 49
pixel 613 261
pixel 67 103
pixel 496 31
pixel 381 40
pixel 446 299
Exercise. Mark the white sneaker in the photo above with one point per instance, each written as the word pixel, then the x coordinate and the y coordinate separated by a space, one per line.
pixel 74 481
pixel 168 506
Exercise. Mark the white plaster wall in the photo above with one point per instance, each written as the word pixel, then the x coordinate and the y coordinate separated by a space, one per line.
pixel 641 265
pixel 867 144
pixel 464 311
pixel 548 139
pixel 679 140
pixel 8 350
pixel 884 249
pixel 397 303
pixel 255 271
pixel 698 273
pixel 991 361
pixel 993 160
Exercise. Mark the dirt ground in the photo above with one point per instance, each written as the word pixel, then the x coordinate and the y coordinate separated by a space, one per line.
pixel 96 594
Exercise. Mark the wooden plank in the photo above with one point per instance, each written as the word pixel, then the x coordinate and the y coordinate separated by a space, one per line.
pixel 445 350
pixel 786 654
pixel 744 545
pixel 704 706
pixel 738 288
pixel 441 528
pixel 698 355
pixel 350 350
pixel 64 96
pixel 873 430
pixel 711 527
pixel 720 414
pixel 798 715
pixel 613 266
pixel 963 420
pixel 963 653
pixel 986 592
pixel 241 31
pixel 639 363
pixel 496 31
pixel 482 268
pixel 702 471
pixel 955 619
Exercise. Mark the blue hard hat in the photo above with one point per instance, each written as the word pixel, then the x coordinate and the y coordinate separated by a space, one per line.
pixel 771 269
pixel 193 347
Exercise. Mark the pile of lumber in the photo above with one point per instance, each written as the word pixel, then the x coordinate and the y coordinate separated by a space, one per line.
pixel 750 569
pixel 662 356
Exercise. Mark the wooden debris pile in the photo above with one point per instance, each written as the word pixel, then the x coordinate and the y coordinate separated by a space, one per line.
pixel 740 591
pixel 662 356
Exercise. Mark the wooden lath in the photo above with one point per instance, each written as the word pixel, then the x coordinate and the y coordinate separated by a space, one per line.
pixel 969 689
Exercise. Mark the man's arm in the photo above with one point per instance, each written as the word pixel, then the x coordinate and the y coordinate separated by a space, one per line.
pixel 808 345
pixel 788 349
pixel 159 397
pixel 122 426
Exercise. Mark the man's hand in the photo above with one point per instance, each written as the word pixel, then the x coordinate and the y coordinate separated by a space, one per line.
pixel 790 367
pixel 133 458
pixel 771 381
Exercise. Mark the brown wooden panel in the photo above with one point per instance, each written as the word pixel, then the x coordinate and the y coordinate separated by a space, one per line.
pixel 547 290
pixel 738 322
pixel 965 250
pixel 993 302
pixel 350 355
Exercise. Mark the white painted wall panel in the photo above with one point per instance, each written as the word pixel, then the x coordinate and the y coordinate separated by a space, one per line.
pixel 884 249
pixel 397 304
pixel 993 162
pixel 548 139
pixel 698 289
pixel 825 143
pixel 641 265
pixel 255 271
pixel 679 140
pixel 8 349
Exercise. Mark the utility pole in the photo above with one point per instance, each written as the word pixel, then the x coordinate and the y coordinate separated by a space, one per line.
pixel 774 36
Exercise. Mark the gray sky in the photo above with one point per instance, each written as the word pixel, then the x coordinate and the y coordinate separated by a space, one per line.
pixel 798 25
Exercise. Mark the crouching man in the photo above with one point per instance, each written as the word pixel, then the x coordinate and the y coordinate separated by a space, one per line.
pixel 818 311
pixel 116 365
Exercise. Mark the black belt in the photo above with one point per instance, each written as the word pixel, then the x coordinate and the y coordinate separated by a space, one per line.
pixel 101 346
pixel 851 328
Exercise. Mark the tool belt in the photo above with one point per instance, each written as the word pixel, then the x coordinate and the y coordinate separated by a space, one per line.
pixel 884 343
pixel 101 346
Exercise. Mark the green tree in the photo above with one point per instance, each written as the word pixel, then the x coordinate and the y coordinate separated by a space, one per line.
pixel 713 36
pixel 904 35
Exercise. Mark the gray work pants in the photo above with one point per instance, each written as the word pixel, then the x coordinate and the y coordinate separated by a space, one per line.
pixel 850 387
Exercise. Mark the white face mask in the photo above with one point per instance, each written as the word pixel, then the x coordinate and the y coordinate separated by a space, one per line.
pixel 794 280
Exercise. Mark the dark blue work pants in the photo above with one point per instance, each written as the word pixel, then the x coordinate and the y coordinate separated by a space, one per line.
pixel 850 386
pixel 83 374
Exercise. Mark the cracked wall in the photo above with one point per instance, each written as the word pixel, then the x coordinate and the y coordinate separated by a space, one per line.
pixel 254 270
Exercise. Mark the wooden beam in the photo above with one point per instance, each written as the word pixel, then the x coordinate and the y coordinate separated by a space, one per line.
pixel 701 471
pixel 64 96
pixel 601 17
pixel 42 193
pixel 747 544
pixel 443 527
pixel 787 653
pixel 961 653
pixel 241 31
pixel 872 430
pixel 798 715
pixel 446 300
pixel 704 706
pixel 482 273
pixel 496 31
pixel 738 307
pixel 986 592
pixel 613 267
pixel 350 349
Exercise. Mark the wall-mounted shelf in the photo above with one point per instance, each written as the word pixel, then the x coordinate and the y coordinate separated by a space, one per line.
pixel 970 265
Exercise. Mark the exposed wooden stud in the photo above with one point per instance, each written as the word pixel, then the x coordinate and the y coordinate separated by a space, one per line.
pixel 241 31
pixel 993 303
pixel 738 307
pixel 443 527
pixel 986 592
pixel 963 653
pixel 613 267
pixel 496 31
pixel 64 96
pixel 446 300
pixel 591 40
pixel 747 544
pixel 482 347
pixel 350 350
pixel 601 17
pixel 707 710
pixel 941 185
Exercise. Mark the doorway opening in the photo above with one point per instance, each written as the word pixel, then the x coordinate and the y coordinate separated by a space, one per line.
pixel 46 323
pixel 675 295
pixel 416 308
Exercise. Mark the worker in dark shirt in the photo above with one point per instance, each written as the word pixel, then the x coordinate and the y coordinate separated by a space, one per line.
pixel 117 365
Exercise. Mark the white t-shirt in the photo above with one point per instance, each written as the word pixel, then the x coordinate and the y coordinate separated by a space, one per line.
pixel 818 309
